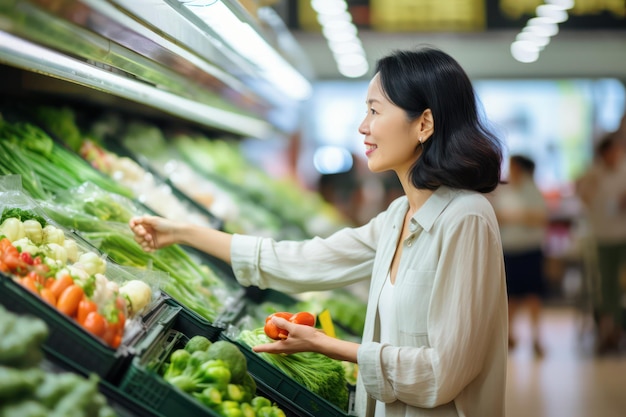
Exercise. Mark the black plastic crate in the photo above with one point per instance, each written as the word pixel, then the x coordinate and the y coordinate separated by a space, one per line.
pixel 67 342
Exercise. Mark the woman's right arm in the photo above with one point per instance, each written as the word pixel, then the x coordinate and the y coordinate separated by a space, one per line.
pixel 153 232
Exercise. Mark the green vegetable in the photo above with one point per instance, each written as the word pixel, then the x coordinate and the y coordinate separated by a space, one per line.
pixel 267 411
pixel 249 384
pixel 229 409
pixel 17 382
pixel 211 396
pixel 26 408
pixel 214 371
pixel 26 390
pixel 196 343
pixel 47 168
pixel 247 410
pixel 178 362
pixel 185 382
pixel 22 215
pixel 21 338
pixel 234 358
pixel 195 360
pixel 259 402
pixel 318 373
pixel 235 393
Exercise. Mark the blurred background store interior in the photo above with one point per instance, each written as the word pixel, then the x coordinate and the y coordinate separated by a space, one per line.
pixel 553 108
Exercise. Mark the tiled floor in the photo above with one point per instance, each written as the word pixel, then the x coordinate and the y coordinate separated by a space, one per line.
pixel 567 381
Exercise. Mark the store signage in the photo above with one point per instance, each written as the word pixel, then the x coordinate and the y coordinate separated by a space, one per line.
pixel 462 15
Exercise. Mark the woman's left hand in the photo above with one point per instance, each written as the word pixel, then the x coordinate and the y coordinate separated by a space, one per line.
pixel 301 338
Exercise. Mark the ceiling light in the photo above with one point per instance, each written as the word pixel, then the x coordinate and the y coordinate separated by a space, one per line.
pixel 524 51
pixel 555 13
pixel 342 37
pixel 242 37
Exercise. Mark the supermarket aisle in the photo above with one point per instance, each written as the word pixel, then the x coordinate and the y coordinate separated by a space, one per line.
pixel 567 382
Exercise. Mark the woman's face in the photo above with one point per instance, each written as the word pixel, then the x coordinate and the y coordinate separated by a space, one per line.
pixel 391 140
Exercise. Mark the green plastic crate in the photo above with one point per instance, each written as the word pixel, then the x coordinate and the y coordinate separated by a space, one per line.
pixel 67 342
pixel 284 390
pixel 141 380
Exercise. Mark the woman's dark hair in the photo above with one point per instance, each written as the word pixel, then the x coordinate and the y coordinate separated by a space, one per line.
pixel 525 163
pixel 462 152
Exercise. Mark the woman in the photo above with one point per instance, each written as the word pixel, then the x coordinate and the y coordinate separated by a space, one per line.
pixel 435 338
pixel 523 216
pixel 602 190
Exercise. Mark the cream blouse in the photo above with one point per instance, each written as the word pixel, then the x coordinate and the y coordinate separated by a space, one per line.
pixel 448 350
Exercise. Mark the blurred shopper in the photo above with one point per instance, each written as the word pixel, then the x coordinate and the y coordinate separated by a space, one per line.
pixel 603 192
pixel 523 216
pixel 435 337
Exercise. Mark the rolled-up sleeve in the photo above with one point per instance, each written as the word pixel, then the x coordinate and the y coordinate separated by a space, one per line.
pixel 315 264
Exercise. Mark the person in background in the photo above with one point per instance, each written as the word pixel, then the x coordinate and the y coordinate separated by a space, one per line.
pixel 603 192
pixel 523 216
pixel 435 336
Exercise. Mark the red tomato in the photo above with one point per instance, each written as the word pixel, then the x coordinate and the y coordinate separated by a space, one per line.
pixel 273 332
pixel 27 257
pixel 303 317
pixel 282 314
pixel 95 324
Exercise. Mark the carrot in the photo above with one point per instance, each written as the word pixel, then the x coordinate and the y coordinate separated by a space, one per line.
pixel 67 303
pixel 48 296
pixel 61 284
pixel 29 283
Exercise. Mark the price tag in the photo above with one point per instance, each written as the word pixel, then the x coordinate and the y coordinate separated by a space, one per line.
pixel 326 322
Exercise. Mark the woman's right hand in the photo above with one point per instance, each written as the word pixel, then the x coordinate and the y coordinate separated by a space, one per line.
pixel 153 232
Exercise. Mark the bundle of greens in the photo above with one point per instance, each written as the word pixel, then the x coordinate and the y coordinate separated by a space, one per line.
pixel 318 373
pixel 45 166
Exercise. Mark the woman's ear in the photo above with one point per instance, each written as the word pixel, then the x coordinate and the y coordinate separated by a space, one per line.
pixel 426 125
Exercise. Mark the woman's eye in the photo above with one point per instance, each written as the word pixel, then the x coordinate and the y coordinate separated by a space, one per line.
pixel 372 111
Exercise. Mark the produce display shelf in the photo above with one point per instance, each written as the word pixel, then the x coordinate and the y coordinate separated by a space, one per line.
pixel 67 342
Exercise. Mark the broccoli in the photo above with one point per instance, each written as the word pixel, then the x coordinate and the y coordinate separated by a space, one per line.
pixel 233 357
pixel 197 343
